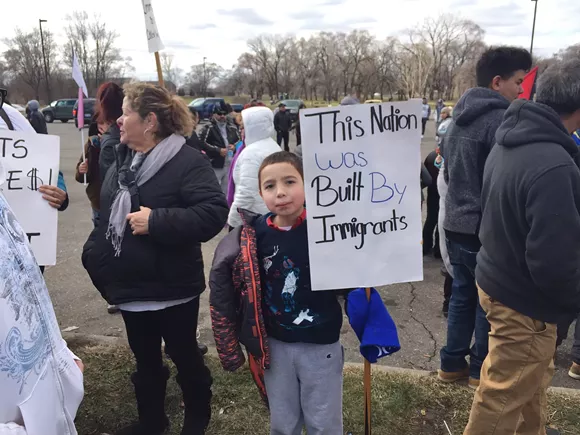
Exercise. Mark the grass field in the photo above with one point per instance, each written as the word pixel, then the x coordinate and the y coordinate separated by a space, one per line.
pixel 401 405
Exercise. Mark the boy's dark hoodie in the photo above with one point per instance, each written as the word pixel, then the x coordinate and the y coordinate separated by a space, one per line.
pixel 530 258
pixel 476 118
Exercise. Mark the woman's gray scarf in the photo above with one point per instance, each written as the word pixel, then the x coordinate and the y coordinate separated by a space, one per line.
pixel 156 159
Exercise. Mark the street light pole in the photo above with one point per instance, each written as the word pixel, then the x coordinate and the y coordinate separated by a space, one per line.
pixel 45 63
pixel 204 78
pixel 534 26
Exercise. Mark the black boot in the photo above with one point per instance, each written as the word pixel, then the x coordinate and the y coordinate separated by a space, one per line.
pixel 197 400
pixel 150 394
pixel 202 348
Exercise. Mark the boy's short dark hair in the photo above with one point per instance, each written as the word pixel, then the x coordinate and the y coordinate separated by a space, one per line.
pixel 501 61
pixel 281 157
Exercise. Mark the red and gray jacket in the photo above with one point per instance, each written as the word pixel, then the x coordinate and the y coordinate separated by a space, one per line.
pixel 235 302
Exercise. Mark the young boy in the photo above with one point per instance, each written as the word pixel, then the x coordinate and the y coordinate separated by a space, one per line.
pixel 302 357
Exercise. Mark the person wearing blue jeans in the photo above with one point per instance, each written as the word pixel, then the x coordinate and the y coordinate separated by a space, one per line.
pixel 469 140
pixel 462 324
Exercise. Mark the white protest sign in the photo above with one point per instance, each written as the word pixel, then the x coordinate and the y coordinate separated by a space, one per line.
pixel 28 161
pixel 362 166
pixel 153 38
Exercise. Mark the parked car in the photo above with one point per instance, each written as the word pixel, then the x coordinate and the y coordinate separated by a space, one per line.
pixel 204 106
pixel 89 106
pixel 61 110
pixel 237 107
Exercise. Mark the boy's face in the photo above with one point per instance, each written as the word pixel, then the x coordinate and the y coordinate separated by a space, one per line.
pixel 282 189
pixel 510 88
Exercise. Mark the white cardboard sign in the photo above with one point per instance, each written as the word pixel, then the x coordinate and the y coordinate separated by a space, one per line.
pixel 153 38
pixel 28 161
pixel 362 167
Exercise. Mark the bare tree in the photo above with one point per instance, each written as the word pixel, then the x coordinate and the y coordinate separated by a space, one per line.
pixel 328 63
pixel 4 74
pixel 78 40
pixel 171 72
pixel 254 74
pixel 201 77
pixel 414 64
pixel 105 54
pixel 94 43
pixel 24 58
pixel 572 52
pixel 384 67
pixel 269 52
pixel 357 46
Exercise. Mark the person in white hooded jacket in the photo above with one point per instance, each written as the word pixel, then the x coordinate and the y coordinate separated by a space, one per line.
pixel 259 129
pixel 41 381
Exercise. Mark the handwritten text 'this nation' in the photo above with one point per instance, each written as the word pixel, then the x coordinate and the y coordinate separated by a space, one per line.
pixel 347 128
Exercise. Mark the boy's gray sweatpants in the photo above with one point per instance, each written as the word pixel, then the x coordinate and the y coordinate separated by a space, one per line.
pixel 304 386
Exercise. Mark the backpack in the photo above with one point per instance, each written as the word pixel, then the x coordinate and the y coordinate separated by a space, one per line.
pixel 6 119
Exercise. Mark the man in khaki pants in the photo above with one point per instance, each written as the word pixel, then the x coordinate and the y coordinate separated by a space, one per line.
pixel 528 269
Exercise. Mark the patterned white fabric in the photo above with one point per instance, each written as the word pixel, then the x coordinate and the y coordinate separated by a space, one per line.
pixel 41 386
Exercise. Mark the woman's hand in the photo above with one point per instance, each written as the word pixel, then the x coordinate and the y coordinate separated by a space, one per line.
pixel 83 167
pixel 54 195
pixel 139 221
pixel 103 127
pixel 80 365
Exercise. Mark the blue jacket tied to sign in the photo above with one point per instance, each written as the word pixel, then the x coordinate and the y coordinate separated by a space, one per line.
pixel 372 324
pixel 576 136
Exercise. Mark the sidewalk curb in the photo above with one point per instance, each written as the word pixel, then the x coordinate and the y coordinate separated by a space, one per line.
pixel 79 339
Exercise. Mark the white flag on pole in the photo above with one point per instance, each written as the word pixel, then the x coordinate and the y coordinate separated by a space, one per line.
pixel 153 38
pixel 78 75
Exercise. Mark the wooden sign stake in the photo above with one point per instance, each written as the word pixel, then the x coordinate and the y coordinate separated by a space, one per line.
pixel 159 71
pixel 367 385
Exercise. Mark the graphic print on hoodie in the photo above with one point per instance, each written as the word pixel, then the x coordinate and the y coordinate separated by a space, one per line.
pixel 292 311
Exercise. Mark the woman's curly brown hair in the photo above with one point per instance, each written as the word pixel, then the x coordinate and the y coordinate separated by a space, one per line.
pixel 172 114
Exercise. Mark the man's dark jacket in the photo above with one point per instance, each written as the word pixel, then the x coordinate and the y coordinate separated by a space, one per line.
pixel 530 255
pixel 213 141
pixel 283 121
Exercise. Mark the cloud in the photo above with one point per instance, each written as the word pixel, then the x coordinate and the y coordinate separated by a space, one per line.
pixel 246 16
pixel 501 16
pixel 461 3
pixel 202 26
pixel 332 2
pixel 307 15
pixel 320 25
pixel 180 45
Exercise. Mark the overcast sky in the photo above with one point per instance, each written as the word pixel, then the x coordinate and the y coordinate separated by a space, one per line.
pixel 219 29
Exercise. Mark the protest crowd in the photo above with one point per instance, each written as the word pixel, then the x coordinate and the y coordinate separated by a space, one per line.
pixel 502 212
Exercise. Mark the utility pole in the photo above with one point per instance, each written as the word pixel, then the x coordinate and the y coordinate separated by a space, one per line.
pixel 45 63
pixel 534 26
pixel 204 78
